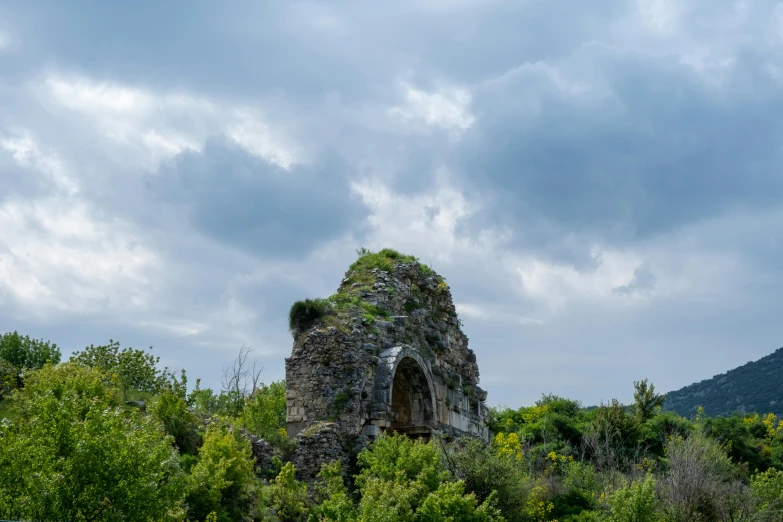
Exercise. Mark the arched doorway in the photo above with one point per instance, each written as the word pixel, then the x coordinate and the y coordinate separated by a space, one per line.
pixel 411 400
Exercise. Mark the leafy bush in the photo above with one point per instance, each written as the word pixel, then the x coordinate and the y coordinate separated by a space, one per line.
pixel 264 414
pixel 571 503
pixel 635 503
pixel 305 314
pixel 181 424
pixel 84 386
pixel 485 471
pixel 767 488
pixel 289 496
pixel 222 479
pixel 449 502
pixel 735 434
pixel 332 499
pixel 73 458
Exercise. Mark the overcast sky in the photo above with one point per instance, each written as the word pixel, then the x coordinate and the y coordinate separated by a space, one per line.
pixel 600 182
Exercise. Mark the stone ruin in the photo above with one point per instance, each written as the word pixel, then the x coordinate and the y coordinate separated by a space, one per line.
pixel 387 356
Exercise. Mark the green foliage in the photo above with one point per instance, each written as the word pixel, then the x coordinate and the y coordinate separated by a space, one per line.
pixel 24 353
pixel 20 353
pixel 9 379
pixel 635 503
pixel 767 488
pixel 339 402
pixel 383 260
pixel 264 413
pixel 450 503
pixel 485 472
pixel 735 435
pixel 398 458
pixel 221 481
pixel 305 314
pixel 570 503
pixel 551 461
pixel 658 429
pixel 585 516
pixel 85 387
pixel 171 410
pixel 403 480
pixel 133 369
pixel 344 302
pixel 332 499
pixel 70 457
pixel 288 496
pixel 647 403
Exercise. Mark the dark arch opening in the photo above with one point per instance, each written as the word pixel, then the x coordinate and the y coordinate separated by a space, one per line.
pixel 411 403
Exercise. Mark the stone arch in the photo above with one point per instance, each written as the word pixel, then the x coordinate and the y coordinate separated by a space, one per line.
pixel 404 392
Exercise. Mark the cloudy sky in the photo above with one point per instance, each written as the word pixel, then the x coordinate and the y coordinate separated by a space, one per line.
pixel 600 182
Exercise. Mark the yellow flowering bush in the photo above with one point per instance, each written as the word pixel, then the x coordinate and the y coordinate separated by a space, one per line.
pixel 556 461
pixel 536 507
pixel 534 413
pixel 770 421
pixel 508 444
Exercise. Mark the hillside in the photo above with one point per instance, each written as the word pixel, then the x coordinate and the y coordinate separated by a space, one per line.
pixel 753 387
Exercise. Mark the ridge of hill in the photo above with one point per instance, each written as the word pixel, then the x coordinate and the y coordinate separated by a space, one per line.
pixel 756 386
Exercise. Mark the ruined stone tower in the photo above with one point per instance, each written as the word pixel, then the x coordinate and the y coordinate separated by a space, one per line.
pixel 384 354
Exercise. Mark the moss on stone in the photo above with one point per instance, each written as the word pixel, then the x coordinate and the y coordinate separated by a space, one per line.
pixel 337 309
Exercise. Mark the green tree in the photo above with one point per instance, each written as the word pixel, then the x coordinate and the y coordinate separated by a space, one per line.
pixel 19 353
pixel 646 402
pixel 24 352
pixel 134 369
pixel 72 456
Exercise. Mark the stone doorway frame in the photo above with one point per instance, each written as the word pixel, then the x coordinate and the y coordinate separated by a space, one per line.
pixel 389 361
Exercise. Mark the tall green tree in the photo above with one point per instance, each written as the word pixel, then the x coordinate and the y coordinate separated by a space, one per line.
pixel 19 353
pixel 26 353
pixel 646 402
pixel 133 369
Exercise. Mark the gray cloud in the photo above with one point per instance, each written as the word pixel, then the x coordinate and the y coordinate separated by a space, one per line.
pixel 240 200
pixel 660 150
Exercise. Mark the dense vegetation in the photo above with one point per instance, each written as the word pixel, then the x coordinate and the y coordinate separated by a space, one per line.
pixel 755 386
pixel 109 436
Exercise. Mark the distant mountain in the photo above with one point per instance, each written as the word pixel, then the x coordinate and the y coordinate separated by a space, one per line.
pixel 753 387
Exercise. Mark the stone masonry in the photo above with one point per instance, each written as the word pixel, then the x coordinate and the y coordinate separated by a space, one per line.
pixel 391 358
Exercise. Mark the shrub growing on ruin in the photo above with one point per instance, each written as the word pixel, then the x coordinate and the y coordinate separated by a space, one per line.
pixel 305 314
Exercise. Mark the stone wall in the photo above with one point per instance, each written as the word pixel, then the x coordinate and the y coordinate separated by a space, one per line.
pixel 391 356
